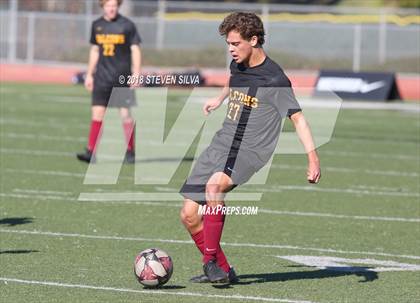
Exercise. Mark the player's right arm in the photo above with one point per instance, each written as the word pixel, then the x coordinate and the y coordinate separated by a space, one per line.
pixel 93 61
pixel 305 136
pixel 213 103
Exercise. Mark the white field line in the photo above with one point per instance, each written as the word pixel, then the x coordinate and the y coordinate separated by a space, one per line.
pixel 369 141
pixel 73 139
pixel 46 192
pixel 42 153
pixel 346 170
pixel 82 139
pixel 49 123
pixel 337 216
pixel 31 152
pixel 57 173
pixel 43 137
pixel 369 155
pixel 343 170
pixel 389 191
pixel 150 291
pixel 280 188
pixel 276 166
pixel 77 124
pixel 347 265
pixel 280 166
pixel 59 197
pixel 37 197
pixel 278 212
pixel 248 245
pixel 158 196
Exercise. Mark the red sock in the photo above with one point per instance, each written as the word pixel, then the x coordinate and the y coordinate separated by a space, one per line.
pixel 220 256
pixel 213 227
pixel 129 131
pixel 95 128
pixel 199 241
pixel 221 260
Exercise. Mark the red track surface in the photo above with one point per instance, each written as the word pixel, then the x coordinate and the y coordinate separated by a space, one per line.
pixel 409 85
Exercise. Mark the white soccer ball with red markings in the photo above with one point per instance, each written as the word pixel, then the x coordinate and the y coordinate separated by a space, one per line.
pixel 153 267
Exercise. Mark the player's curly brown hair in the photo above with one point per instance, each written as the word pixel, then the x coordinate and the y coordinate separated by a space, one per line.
pixel 102 2
pixel 247 24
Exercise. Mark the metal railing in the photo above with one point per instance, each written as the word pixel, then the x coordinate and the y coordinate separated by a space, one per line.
pixel 185 33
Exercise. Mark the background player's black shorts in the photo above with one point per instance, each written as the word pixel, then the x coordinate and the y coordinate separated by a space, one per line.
pixel 210 162
pixel 120 98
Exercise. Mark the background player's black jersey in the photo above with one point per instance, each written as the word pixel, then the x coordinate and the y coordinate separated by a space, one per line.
pixel 114 39
pixel 259 98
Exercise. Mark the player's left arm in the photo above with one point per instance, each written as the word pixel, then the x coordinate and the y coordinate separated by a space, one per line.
pixel 305 136
pixel 136 63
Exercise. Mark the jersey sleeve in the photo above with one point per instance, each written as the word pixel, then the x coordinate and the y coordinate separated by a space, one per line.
pixel 92 35
pixel 133 35
pixel 285 100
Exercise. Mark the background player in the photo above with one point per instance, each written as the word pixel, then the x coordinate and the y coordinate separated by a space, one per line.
pixel 115 51
pixel 260 95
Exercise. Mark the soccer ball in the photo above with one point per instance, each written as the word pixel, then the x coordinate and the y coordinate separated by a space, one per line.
pixel 153 267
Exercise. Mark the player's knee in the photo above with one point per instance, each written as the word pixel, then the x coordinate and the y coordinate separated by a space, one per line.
pixel 98 113
pixel 189 219
pixel 125 115
pixel 214 193
pixel 213 189
pixel 97 117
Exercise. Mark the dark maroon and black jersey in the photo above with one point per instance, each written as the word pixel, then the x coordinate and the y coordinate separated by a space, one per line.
pixel 114 39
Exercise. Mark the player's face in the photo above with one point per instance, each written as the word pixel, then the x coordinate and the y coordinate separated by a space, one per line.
pixel 239 48
pixel 110 9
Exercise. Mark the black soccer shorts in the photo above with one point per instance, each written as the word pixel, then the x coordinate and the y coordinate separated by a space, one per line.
pixel 120 98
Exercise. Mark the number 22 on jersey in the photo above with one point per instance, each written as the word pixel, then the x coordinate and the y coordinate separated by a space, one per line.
pixel 109 49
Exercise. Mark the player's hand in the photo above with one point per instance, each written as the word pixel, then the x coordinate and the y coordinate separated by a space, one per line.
pixel 314 172
pixel 89 82
pixel 211 105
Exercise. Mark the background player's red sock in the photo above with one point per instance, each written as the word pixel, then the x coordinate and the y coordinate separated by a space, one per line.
pixel 129 131
pixel 95 128
pixel 213 227
pixel 220 256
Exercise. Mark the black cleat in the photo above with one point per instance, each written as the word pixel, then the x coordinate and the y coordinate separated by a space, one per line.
pixel 233 278
pixel 200 279
pixel 87 156
pixel 204 279
pixel 130 157
pixel 214 273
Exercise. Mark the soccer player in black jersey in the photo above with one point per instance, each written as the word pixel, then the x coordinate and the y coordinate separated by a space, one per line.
pixel 259 95
pixel 115 53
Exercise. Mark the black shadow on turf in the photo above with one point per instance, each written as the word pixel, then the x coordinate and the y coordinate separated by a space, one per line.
pixel 367 275
pixel 16 221
pixel 18 251
pixel 166 287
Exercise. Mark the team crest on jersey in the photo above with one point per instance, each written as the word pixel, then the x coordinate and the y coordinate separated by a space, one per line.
pixel 99 28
